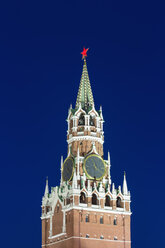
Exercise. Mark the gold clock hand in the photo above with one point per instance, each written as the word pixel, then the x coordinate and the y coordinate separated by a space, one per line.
pixel 96 167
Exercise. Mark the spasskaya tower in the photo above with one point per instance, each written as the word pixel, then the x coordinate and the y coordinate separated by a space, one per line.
pixel 86 209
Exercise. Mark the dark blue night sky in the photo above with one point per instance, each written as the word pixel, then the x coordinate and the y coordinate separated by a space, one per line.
pixel 40 70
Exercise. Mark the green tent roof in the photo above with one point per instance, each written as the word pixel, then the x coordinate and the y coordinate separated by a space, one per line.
pixel 85 96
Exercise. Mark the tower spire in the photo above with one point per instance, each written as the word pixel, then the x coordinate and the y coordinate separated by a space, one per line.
pixel 125 189
pixel 61 169
pixel 46 188
pixel 85 96
pixel 109 159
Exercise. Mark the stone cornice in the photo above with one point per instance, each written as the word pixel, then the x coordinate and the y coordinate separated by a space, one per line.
pixel 87 137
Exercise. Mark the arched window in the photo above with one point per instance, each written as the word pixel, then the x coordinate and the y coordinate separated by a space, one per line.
pixel 107 201
pixel 94 199
pixel 91 121
pixel 67 200
pixel 118 202
pixel 47 209
pixel 87 218
pixel 115 221
pixel 101 220
pixel 81 121
pixel 82 197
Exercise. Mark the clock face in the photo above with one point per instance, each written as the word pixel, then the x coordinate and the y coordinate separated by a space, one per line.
pixel 94 167
pixel 67 169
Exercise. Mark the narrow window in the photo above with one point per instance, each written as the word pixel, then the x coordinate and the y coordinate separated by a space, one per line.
pixel 47 209
pixel 82 198
pixel 81 217
pixel 94 199
pixel 58 209
pixel 81 121
pixel 118 202
pixel 107 201
pixel 87 218
pixel 115 221
pixel 87 236
pixel 101 220
pixel 91 121
pixel 67 201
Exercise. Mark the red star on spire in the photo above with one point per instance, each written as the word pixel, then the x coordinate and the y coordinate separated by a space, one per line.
pixel 84 53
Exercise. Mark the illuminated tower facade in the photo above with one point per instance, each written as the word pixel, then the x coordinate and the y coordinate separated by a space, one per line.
pixel 86 210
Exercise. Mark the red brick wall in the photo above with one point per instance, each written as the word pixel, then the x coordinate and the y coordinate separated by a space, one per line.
pixel 57 220
pixel 76 226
